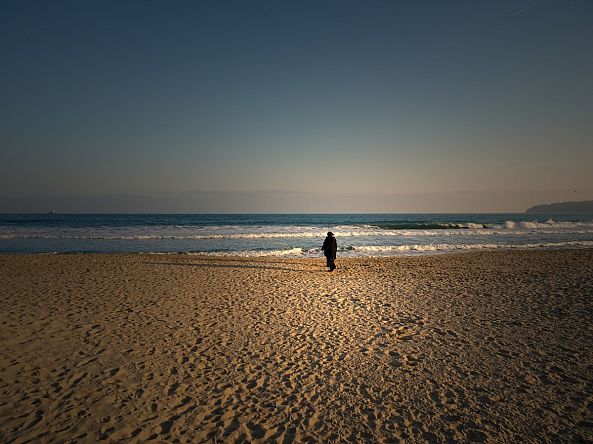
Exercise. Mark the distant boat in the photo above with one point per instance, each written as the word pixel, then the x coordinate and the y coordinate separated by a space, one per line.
pixel 51 212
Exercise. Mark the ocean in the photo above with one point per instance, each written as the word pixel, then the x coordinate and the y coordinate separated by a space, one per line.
pixel 289 235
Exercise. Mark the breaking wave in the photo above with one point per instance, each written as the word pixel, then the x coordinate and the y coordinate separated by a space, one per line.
pixel 179 232
pixel 396 250
pixel 290 235
pixel 382 249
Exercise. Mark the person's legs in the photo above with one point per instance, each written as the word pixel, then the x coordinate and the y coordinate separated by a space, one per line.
pixel 331 264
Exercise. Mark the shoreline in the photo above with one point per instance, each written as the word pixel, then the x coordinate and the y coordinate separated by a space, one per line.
pixel 485 346
pixel 216 255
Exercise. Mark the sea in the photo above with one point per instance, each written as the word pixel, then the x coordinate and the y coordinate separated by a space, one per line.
pixel 290 235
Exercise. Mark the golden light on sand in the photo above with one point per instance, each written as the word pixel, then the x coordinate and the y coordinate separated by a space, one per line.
pixel 469 347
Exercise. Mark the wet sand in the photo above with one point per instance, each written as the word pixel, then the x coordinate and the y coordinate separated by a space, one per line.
pixel 475 347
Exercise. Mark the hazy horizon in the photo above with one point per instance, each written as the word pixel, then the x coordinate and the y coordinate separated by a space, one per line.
pixel 220 107
pixel 267 203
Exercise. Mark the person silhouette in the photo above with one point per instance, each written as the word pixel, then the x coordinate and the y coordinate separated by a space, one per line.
pixel 330 248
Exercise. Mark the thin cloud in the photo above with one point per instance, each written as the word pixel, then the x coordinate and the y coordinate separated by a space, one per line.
pixel 521 11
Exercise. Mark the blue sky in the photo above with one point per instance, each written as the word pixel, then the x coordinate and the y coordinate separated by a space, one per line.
pixel 372 106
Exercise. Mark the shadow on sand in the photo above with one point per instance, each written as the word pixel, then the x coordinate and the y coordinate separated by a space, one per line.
pixel 210 264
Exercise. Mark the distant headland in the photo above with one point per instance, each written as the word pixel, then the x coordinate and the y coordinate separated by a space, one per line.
pixel 582 207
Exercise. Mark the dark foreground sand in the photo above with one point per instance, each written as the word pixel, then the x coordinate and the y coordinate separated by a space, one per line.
pixel 494 347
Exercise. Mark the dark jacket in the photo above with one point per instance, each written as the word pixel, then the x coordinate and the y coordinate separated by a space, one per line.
pixel 330 247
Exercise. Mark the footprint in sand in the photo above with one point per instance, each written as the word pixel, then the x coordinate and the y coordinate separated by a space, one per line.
pixel 257 431
pixel 95 328
pixel 394 359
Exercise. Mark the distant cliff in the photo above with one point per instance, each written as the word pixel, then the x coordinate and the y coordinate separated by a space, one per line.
pixel 582 207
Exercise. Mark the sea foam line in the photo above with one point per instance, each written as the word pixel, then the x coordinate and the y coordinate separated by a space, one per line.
pixel 95 234
pixel 396 250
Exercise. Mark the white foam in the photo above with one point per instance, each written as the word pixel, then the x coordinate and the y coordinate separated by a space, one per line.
pixel 293 252
pixel 400 250
pixel 385 250
pixel 297 241
pixel 421 248
pixel 285 232
pixel 549 224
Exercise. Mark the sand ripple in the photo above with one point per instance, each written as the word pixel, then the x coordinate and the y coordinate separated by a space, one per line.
pixel 478 347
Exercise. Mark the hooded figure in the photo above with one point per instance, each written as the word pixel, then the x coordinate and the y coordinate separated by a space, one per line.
pixel 330 248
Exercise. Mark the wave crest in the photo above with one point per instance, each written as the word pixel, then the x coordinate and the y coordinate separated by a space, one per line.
pixel 396 250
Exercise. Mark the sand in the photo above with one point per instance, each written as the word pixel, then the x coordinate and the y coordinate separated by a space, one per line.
pixel 484 347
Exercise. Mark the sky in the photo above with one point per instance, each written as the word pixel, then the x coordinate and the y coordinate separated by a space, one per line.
pixel 302 106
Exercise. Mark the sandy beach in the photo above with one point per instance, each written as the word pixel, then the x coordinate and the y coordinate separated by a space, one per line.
pixel 475 347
